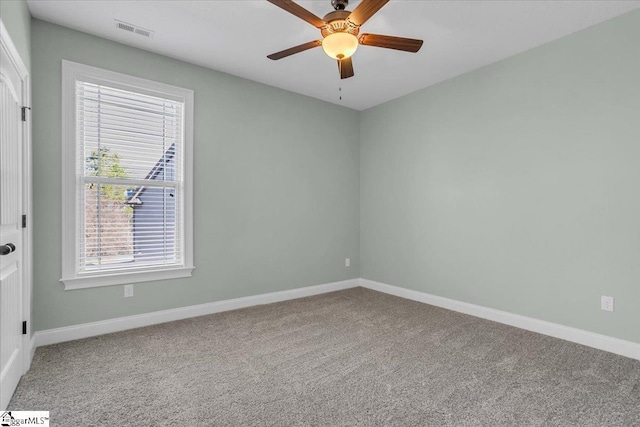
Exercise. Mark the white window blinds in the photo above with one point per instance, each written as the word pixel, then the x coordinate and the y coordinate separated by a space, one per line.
pixel 129 177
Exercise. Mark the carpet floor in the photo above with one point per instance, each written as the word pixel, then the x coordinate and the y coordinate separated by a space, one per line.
pixel 349 358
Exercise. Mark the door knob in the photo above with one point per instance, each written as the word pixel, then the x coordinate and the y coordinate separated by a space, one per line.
pixel 7 249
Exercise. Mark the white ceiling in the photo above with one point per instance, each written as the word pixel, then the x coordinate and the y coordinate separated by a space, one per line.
pixel 236 36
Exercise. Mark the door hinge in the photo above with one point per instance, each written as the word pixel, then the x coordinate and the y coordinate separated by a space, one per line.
pixel 24 221
pixel 24 113
pixel 24 328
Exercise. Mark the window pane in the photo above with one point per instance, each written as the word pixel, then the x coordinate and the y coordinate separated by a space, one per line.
pixel 129 227
pixel 126 134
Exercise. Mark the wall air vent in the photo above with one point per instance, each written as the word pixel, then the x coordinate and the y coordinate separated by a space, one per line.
pixel 124 26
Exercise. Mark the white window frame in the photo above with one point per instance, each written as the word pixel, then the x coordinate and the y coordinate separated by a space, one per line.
pixel 71 277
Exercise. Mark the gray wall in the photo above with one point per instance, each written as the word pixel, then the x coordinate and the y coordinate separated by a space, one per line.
pixel 276 194
pixel 16 17
pixel 516 186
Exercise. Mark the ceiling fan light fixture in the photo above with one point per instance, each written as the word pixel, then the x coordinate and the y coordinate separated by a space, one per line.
pixel 340 45
pixel 340 30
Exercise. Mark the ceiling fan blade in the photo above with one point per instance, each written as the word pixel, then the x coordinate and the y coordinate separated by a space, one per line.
pixel 299 11
pixel 295 49
pixel 391 42
pixel 365 10
pixel 345 67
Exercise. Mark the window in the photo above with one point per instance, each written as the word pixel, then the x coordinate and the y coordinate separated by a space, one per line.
pixel 127 179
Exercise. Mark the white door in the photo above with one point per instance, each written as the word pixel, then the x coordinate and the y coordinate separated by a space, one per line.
pixel 11 251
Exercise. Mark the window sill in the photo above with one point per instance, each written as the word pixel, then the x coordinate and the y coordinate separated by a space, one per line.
pixel 123 278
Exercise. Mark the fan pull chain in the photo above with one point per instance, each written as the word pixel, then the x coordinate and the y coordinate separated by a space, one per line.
pixel 340 85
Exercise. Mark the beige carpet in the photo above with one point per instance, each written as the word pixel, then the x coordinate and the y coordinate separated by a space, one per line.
pixel 354 357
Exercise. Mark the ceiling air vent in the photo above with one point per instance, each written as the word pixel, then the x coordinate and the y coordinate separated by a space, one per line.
pixel 133 29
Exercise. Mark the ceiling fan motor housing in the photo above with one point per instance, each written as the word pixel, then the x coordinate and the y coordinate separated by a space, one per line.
pixel 337 22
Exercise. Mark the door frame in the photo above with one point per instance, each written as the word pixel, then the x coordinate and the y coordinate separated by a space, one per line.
pixel 28 346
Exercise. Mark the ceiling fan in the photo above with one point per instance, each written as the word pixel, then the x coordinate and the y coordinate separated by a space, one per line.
pixel 340 30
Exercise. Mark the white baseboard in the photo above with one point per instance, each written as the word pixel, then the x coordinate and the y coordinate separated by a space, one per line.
pixel 85 330
pixel 590 339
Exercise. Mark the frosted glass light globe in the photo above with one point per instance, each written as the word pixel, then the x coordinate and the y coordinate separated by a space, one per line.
pixel 340 45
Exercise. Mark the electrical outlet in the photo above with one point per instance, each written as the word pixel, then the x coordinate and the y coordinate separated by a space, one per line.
pixel 606 303
pixel 347 262
pixel 128 291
